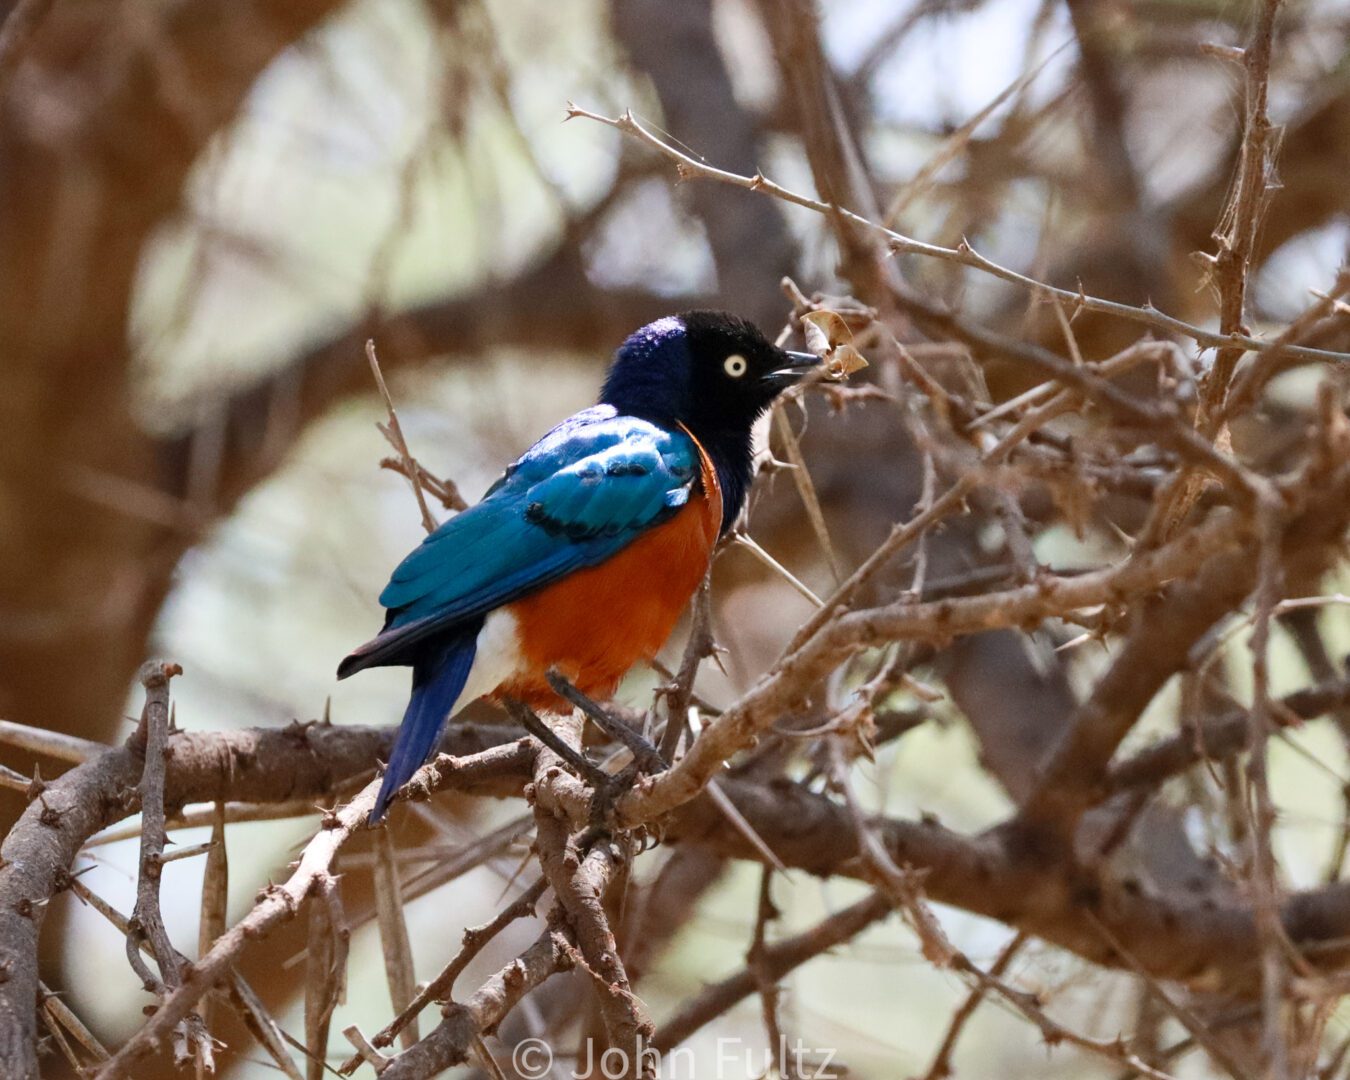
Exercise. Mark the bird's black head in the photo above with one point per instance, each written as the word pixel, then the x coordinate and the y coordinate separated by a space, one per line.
pixel 711 371
pixel 714 373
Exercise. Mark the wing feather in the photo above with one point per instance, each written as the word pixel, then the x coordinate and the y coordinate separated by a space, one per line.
pixel 577 497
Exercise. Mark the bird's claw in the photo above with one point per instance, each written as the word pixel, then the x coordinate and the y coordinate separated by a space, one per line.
pixel 576 759
pixel 647 756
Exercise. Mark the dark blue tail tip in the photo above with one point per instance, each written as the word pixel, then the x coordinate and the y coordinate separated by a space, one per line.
pixel 386 795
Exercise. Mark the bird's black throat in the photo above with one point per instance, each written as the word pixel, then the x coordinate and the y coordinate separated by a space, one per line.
pixel 732 456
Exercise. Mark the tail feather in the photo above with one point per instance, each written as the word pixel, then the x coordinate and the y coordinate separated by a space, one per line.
pixel 438 681
pixel 393 645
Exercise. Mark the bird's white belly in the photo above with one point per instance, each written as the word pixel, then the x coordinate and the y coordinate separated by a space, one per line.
pixel 497 658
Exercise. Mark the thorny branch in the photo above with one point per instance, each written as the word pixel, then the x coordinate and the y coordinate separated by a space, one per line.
pixel 1216 546
pixel 963 255
pixel 147 921
pixel 579 879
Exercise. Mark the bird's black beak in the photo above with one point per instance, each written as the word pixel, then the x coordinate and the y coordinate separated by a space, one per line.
pixel 798 367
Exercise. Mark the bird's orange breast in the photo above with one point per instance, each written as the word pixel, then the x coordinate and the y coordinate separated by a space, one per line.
pixel 594 624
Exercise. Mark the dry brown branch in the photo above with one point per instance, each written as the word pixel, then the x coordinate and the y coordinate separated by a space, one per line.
pixel 398 958
pixel 933 511
pixel 942 1060
pixel 1052 1031
pixel 1157 647
pixel 753 546
pixel 1217 737
pixel 442 986
pixel 279 903
pixel 276 904
pixel 52 743
pixel 60 1018
pixel 215 900
pixel 453 1040
pixel 766 983
pixel 698 648
pixel 325 972
pixel 953 146
pixel 1263 882
pixel 963 255
pixel 393 431
pixel 445 491
pixel 801 477
pixel 1246 387
pixel 263 1026
pixel 904 888
pixel 1181 1012
pixel 245 1000
pixel 578 878
pixel 1236 234
pixel 775 961
pixel 790 679
pixel 147 923
pixel 979 876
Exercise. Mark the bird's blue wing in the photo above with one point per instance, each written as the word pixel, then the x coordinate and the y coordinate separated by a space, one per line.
pixel 578 496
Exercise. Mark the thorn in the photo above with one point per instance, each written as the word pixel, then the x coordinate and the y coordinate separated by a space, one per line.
pixel 1073 643
pixel 1120 534
pixel 38 785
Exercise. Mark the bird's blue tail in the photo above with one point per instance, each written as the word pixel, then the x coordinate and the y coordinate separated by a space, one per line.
pixel 437 683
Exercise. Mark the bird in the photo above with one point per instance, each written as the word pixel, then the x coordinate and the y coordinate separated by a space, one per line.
pixel 581 557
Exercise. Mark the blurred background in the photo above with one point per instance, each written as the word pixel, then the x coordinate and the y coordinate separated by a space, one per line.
pixel 206 208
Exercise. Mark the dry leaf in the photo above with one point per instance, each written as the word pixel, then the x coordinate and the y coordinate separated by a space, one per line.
pixel 828 336
pixel 824 329
pixel 847 359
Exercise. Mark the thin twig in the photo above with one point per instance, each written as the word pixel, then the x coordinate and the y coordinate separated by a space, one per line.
pixel 1184 1015
pixel 806 489
pixel 942 1060
pixel 394 433
pixel 55 744
pixel 1237 233
pixel 681 689
pixel 775 961
pixel 398 958
pixel 578 879
pixel 325 972
pixel 1261 808
pixel 278 904
pixel 63 1016
pixel 214 906
pixel 766 983
pixel 147 921
pixel 263 1025
pixel 476 938
pixel 748 542
pixel 964 254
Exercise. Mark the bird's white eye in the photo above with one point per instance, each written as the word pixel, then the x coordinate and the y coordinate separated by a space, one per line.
pixel 735 365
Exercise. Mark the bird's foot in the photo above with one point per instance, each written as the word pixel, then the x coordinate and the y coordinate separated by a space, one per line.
pixel 605 797
pixel 576 759
pixel 647 757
